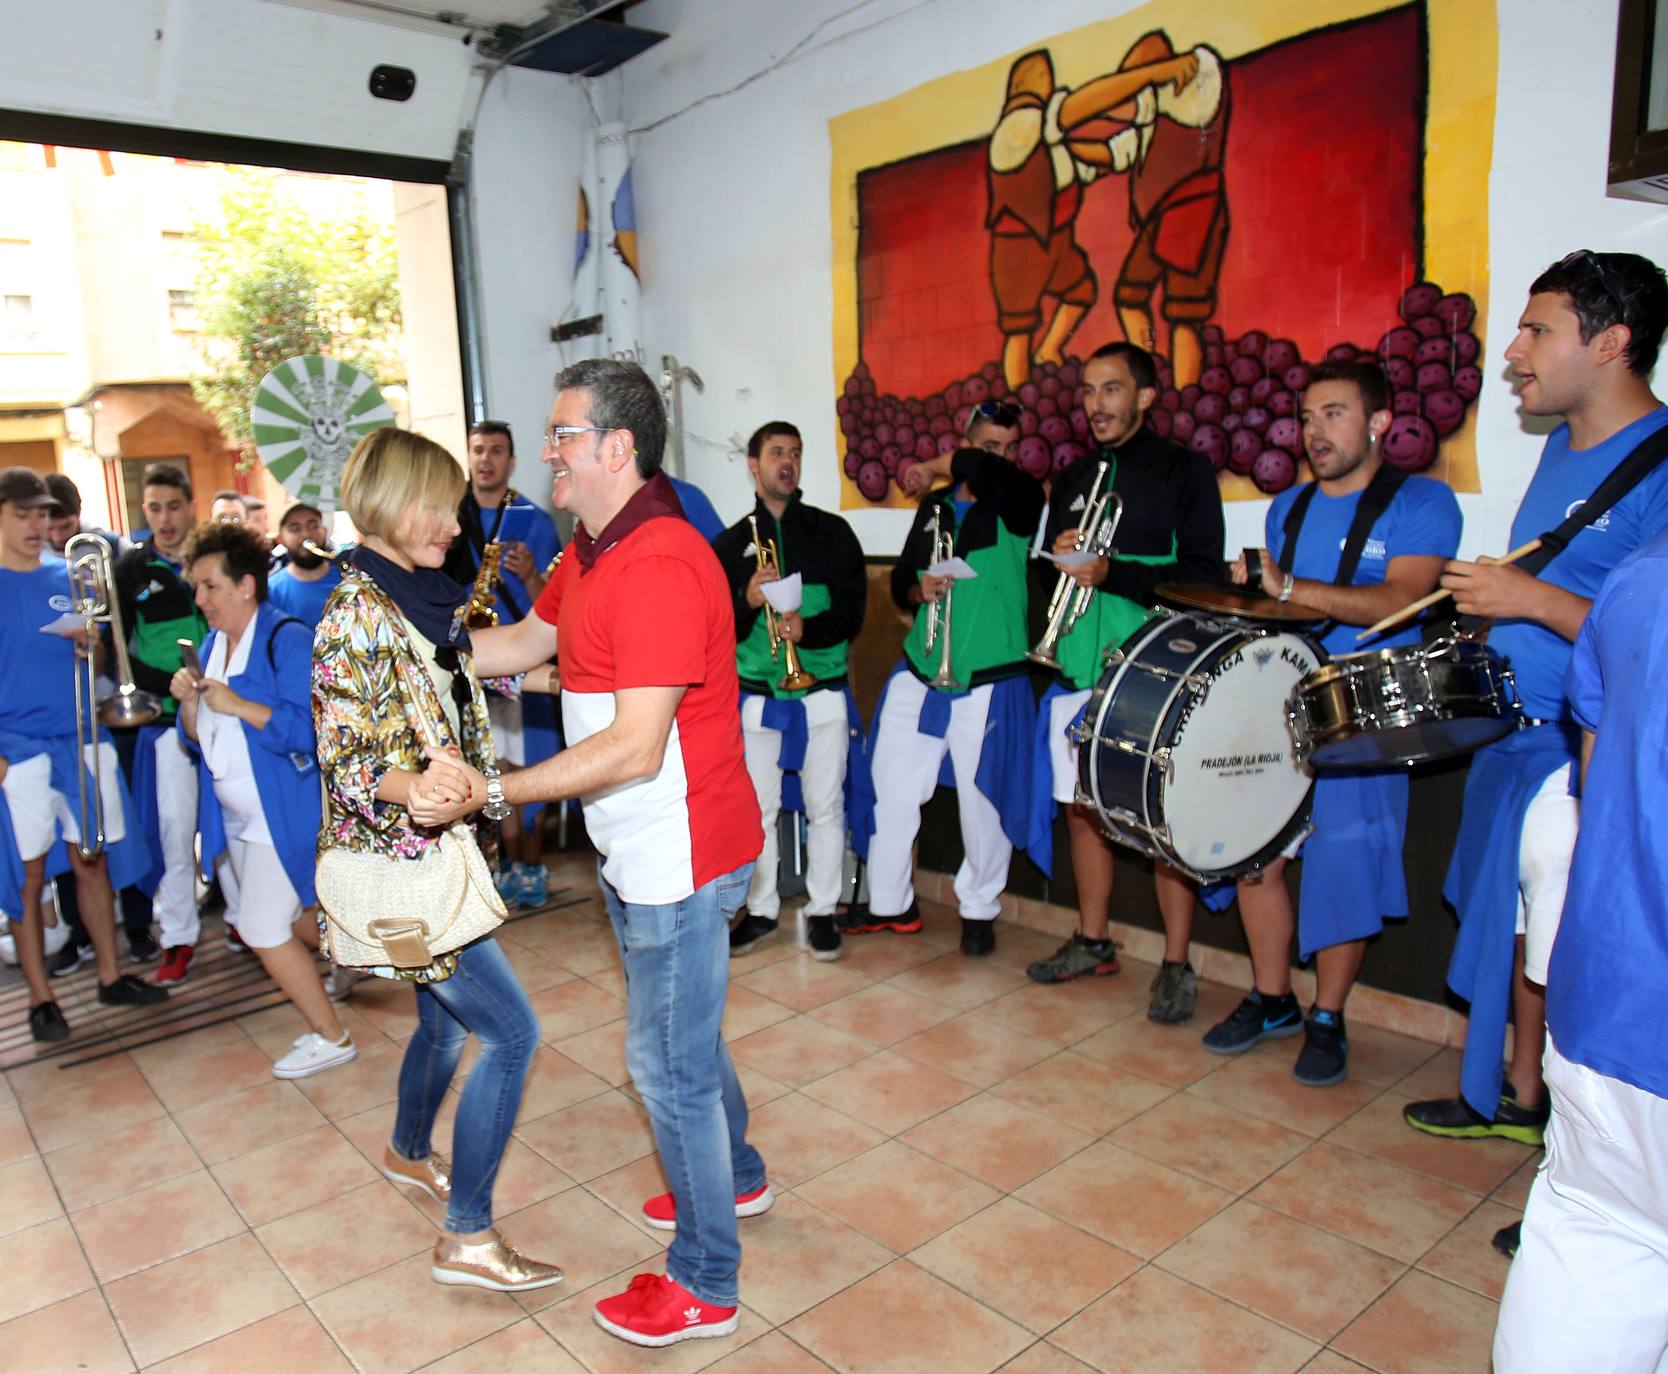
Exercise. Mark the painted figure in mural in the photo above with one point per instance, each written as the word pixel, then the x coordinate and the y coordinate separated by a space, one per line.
pixel 1178 203
pixel 1049 143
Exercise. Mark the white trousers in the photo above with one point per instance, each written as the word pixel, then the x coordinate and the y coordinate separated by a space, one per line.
pixel 261 900
pixel 175 903
pixel 1589 1288
pixel 1062 751
pixel 821 780
pixel 1543 869
pixel 905 769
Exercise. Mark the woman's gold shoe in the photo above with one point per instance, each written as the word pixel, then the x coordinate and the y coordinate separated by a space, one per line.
pixel 490 1263
pixel 430 1174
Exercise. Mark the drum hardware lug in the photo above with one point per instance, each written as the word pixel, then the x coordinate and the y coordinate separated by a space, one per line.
pixel 1198 684
pixel 1081 733
pixel 1163 759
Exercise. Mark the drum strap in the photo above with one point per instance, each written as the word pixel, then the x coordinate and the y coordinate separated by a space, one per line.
pixel 1375 500
pixel 1623 478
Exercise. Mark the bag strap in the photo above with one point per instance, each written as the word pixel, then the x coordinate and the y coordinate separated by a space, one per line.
pixel 1375 500
pixel 272 639
pixel 1623 478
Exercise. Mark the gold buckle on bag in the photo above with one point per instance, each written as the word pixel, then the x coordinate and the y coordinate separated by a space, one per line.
pixel 405 941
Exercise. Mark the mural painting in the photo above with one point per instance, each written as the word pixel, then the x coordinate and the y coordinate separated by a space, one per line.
pixel 1243 202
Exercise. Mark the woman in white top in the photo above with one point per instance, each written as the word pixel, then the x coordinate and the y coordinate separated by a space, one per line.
pixel 249 714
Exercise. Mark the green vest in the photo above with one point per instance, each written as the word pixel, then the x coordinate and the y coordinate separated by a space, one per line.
pixel 988 620
pixel 753 658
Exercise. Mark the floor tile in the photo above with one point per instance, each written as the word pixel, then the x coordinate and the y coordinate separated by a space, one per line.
pixel 1165 1054
pixel 1383 1057
pixel 1065 1012
pixel 1479 1166
pixel 746 1011
pixel 800 1139
pixel 160 1223
pixel 1422 1326
pixel 1514 1192
pixel 588 1239
pixel 610 980
pixel 15 1141
pixel 1260 1083
pixel 803 982
pixel 1294 1274
pixel 335 1242
pixel 794 1256
pixel 759 1088
pixel 86 1109
pixel 958 981
pixel 1044 1358
pixel 524 1346
pixel 249 1120
pixel 196 1068
pixel 889 1092
pixel 627 1188
pixel 772 1353
pixel 1030 1267
pixel 902 1320
pixel 49 1077
pixel 554 1081
pixel 996 1141
pixel 389 1005
pixel 981 1052
pixel 27 1196
pixel 292 1342
pixel 75 1334
pixel 231 1285
pixel 897 1195
pixel 98 1170
pixel 883 1014
pixel 368 1081
pixel 582 950
pixel 1198 1137
pixel 1154 1323
pixel 572 1324
pixel 592 1137
pixel 1330 1362
pixel 885 956
pixel 573 1008
pixel 600 1052
pixel 1083 1092
pixel 532 971
pixel 1131 1202
pixel 293 1174
pixel 799 1051
pixel 1387 1209
pixel 1019 946
pixel 43 1266
pixel 1467 1256
pixel 399 1318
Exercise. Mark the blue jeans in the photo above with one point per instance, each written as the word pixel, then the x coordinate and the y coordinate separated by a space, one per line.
pixel 677 969
pixel 483 996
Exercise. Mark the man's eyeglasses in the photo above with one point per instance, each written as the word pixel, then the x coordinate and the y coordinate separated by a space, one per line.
pixel 557 436
pixel 1606 282
pixel 1002 413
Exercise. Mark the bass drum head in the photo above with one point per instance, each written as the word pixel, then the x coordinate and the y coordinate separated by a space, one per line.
pixel 1234 795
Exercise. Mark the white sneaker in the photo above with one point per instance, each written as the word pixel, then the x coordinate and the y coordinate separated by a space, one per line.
pixel 340 982
pixel 314 1054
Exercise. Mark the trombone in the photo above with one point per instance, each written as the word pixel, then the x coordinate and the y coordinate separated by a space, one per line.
pixel 938 621
pixel 795 679
pixel 92 589
pixel 1070 600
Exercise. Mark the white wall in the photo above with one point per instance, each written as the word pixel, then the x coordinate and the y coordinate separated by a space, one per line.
pixel 732 201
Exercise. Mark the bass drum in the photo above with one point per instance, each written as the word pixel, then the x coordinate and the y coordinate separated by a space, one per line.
pixel 1184 751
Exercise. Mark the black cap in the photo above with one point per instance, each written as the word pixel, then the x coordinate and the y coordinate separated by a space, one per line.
pixel 24 488
pixel 64 492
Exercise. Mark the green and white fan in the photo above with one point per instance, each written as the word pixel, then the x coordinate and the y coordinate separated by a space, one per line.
pixel 307 416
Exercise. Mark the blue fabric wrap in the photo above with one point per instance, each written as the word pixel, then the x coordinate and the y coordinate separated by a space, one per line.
pixel 1482 886
pixel 283 755
pixel 541 739
pixel 147 816
pixel 788 716
pixel 1352 864
pixel 1005 762
pixel 1039 824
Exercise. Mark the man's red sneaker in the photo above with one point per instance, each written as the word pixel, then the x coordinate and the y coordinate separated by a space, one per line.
pixel 176 965
pixel 656 1311
pixel 662 1212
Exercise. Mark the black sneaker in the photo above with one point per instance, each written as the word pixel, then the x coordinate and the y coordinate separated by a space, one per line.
pixel 1256 1019
pixel 46 1022
pixel 750 930
pixel 1079 957
pixel 1324 1058
pixel 1454 1118
pixel 1508 1240
pixel 65 962
pixel 860 920
pixel 978 938
pixel 823 938
pixel 142 948
pixel 128 991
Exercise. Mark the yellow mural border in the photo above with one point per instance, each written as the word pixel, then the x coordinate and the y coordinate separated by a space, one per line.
pixel 1459 146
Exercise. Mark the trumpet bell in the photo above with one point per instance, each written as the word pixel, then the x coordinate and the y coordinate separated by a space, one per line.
pixel 128 706
pixel 1041 656
pixel 798 681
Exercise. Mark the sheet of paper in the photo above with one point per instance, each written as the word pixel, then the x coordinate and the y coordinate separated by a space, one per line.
pixel 955 567
pixel 66 624
pixel 786 594
pixel 1071 560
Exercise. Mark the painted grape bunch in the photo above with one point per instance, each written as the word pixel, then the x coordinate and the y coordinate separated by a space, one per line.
pixel 1241 413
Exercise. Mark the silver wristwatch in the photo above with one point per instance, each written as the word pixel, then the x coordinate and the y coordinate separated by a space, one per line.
pixel 496 808
pixel 1286 588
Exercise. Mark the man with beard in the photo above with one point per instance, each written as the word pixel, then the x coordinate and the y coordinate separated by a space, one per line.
pixel 789 732
pixel 308 578
pixel 1360 541
pixel 1171 531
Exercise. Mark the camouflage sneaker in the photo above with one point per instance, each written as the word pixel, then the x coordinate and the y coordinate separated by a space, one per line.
pixel 1175 988
pixel 1075 958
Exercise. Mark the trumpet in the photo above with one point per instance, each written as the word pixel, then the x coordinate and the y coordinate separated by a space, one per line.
pixel 795 679
pixel 1101 515
pixel 938 620
pixel 92 591
pixel 481 611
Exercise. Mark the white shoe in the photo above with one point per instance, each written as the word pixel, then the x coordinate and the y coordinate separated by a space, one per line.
pixel 314 1054
pixel 340 982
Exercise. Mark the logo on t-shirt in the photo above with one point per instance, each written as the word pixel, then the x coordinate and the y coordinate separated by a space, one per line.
pixel 60 602
pixel 1373 550
pixel 1602 524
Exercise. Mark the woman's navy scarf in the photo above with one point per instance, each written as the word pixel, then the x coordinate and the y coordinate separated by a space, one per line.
pixel 427 597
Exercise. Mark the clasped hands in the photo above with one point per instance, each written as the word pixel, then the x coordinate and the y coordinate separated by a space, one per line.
pixel 449 788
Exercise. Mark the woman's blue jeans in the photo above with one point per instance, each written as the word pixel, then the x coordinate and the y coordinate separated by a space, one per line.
pixel 484 997
pixel 677 969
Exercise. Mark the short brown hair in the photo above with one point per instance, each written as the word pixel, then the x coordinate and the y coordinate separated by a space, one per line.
pixel 243 553
pixel 393 472
pixel 1368 379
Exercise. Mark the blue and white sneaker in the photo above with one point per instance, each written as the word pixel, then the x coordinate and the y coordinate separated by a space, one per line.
pixel 535 884
pixel 1254 1020
pixel 510 884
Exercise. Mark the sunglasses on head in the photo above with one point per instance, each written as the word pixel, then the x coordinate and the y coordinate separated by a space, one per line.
pixel 1605 280
pixel 1003 413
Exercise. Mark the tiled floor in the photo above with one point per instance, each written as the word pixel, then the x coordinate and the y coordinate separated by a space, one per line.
pixel 973 1173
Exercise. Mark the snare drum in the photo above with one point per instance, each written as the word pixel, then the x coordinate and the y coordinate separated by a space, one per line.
pixel 1405 705
pixel 1184 752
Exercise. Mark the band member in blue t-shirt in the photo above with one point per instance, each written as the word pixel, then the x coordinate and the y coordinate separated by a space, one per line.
pixel 1352 861
pixel 1584 349
pixel 307 579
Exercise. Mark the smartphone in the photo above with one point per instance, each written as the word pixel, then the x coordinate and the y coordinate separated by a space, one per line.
pixel 188 658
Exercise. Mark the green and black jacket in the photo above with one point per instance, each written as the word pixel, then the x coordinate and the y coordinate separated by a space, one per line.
pixel 821 548
pixel 158 609
pixel 989 627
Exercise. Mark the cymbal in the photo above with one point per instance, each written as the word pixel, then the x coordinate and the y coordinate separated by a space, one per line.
pixel 1236 602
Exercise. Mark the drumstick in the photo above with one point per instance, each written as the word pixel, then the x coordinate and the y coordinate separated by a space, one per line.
pixel 1409 611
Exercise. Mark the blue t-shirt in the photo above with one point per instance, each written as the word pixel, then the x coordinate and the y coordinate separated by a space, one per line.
pixel 525 523
pixel 1422 521
pixel 1563 480
pixel 1607 983
pixel 697 509
pixel 304 600
pixel 37 684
